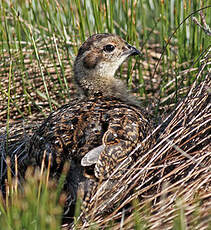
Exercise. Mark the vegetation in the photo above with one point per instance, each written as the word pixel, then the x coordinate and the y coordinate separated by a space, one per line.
pixel 38 43
pixel 34 206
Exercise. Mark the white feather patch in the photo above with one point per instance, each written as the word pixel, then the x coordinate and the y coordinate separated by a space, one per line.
pixel 92 156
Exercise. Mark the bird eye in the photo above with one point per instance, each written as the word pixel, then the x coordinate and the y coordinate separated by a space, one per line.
pixel 108 48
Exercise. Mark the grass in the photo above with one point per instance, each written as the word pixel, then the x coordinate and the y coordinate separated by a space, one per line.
pixel 38 44
pixel 41 38
pixel 29 207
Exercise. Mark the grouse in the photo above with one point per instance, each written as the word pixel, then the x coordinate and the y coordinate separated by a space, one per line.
pixel 97 131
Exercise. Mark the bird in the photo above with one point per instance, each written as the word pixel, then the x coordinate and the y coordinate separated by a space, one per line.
pixel 97 131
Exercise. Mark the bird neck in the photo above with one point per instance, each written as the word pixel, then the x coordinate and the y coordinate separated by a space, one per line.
pixel 107 86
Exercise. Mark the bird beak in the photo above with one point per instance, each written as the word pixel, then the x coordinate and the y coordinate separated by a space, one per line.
pixel 134 51
pixel 131 51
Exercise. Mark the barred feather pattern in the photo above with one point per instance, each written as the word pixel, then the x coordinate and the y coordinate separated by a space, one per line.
pixel 75 129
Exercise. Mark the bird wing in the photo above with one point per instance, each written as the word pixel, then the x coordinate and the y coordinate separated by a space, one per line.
pixel 119 140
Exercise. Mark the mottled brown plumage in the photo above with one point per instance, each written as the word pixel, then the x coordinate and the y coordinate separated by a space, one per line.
pixel 99 130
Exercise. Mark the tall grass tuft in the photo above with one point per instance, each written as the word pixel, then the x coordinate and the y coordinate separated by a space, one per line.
pixel 33 206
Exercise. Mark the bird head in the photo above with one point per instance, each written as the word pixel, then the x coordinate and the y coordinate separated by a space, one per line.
pixel 97 61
